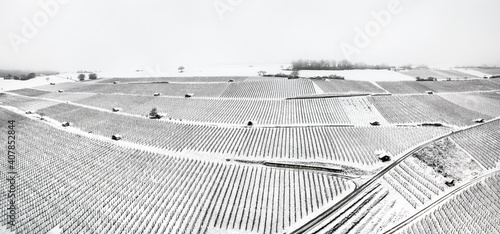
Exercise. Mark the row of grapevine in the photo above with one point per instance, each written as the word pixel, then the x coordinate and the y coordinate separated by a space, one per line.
pixel 438 74
pixel 355 110
pixel 347 86
pixel 484 103
pixel 490 71
pixel 482 142
pixel 84 185
pixel 68 96
pixel 401 87
pixel 170 89
pixel 357 216
pixel 229 111
pixel 416 182
pixel 274 88
pixel 29 92
pixel 345 144
pixel 61 86
pixel 361 111
pixel 423 109
pixel 474 210
pixel 25 103
pixel 175 79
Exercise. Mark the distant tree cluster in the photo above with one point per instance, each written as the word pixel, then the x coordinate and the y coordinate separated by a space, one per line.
pixel 305 64
pixel 81 77
pixel 20 77
pixel 92 76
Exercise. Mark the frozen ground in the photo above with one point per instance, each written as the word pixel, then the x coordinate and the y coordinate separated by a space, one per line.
pixel 6 85
pixel 251 70
pixel 365 75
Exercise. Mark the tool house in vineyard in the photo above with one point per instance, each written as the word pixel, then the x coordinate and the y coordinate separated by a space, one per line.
pixel 479 120
pixel 383 155
pixel 188 95
pixel 116 137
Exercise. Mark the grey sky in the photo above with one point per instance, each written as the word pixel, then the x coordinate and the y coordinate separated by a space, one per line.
pixel 111 34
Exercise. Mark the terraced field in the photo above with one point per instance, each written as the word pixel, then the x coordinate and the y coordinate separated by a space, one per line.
pixel 25 103
pixel 474 210
pixel 412 87
pixel 355 110
pixel 402 87
pixel 173 79
pixel 309 163
pixel 424 109
pixel 484 103
pixel 439 74
pixel 491 71
pixel 171 89
pixel 84 185
pixel 482 142
pixel 275 88
pixel 323 143
pixel 347 86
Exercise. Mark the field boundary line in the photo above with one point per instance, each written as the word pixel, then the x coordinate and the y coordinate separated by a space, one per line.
pixel 433 205
pixel 318 220
pixel 468 154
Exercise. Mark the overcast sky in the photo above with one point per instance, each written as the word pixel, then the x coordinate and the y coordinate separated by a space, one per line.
pixel 112 34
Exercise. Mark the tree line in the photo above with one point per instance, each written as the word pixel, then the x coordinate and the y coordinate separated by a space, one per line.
pixel 29 76
pixel 306 64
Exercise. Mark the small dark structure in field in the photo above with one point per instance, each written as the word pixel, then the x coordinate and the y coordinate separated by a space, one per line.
pixel 188 95
pixel 116 109
pixel 115 82
pixel 52 83
pixel 432 124
pixel 116 137
pixel 479 120
pixel 29 112
pixel 153 114
pixel 156 94
pixel 450 182
pixel 375 123
pixel 249 124
pixel 429 92
pixel 60 90
pixel 430 78
pixel 230 81
pixel 383 155
pixel 65 124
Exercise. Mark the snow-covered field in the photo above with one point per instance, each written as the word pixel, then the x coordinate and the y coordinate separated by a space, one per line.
pixel 201 71
pixel 6 85
pixel 247 70
pixel 365 75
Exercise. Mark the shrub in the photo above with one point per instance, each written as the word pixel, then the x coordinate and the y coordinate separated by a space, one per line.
pixel 81 77
pixel 93 76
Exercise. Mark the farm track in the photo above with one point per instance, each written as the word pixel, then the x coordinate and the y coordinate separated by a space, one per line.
pixel 346 200
pixel 439 201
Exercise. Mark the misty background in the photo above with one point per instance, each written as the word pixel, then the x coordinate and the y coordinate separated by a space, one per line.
pixel 129 35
